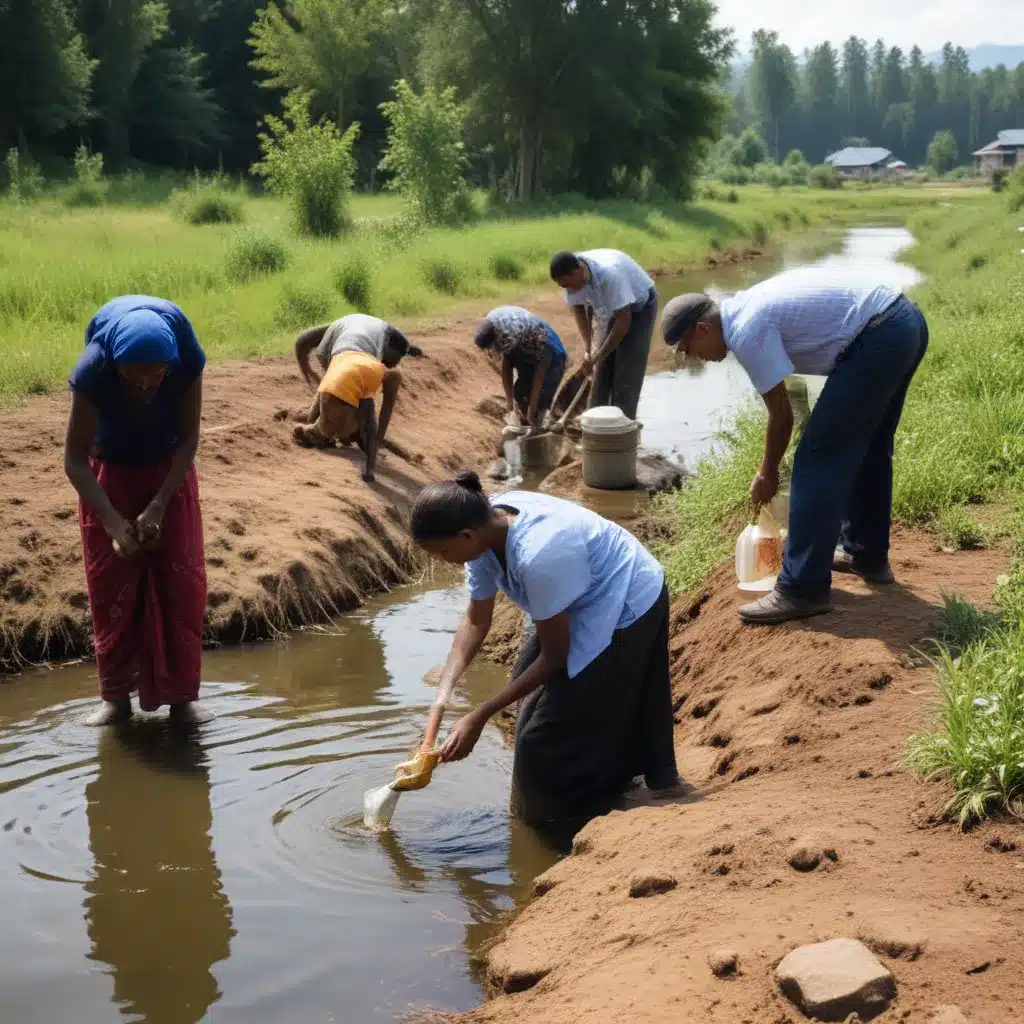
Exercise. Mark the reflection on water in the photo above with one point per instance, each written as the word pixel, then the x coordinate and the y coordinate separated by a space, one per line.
pixel 156 912
pixel 147 875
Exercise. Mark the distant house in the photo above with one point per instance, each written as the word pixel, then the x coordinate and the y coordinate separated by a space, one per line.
pixel 1006 152
pixel 898 169
pixel 861 161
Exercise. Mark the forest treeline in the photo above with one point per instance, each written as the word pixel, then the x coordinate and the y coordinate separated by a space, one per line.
pixel 872 94
pixel 594 96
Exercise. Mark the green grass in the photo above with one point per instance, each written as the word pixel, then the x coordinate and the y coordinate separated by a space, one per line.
pixel 59 264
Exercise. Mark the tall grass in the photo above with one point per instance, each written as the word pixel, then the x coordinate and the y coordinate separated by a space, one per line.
pixel 57 265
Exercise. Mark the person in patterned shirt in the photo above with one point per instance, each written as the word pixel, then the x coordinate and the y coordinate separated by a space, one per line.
pixel 533 361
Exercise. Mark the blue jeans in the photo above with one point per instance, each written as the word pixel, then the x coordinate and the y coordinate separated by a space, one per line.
pixel 842 471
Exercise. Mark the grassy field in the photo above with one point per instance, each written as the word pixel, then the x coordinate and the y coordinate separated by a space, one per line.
pixel 959 469
pixel 249 287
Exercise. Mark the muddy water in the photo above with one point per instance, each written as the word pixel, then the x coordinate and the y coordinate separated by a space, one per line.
pixel 147 875
pixel 227 876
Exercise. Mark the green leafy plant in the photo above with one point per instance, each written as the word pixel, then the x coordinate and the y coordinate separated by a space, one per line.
pixel 442 274
pixel 255 254
pixel 207 200
pixel 958 530
pixel 89 187
pixel 312 165
pixel 824 176
pixel 961 623
pixel 24 179
pixel 355 282
pixel 425 153
pixel 506 268
pixel 299 306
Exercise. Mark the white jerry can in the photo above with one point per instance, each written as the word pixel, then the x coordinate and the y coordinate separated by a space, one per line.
pixel 759 553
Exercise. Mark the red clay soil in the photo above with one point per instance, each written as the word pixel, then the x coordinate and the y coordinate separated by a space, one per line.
pixel 788 734
pixel 292 536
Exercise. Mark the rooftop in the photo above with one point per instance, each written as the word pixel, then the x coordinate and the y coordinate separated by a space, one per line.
pixel 1012 137
pixel 859 156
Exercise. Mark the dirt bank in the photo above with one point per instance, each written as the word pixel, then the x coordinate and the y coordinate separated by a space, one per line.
pixel 292 536
pixel 788 734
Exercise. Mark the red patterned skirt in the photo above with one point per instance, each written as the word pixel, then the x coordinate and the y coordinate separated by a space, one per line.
pixel 147 611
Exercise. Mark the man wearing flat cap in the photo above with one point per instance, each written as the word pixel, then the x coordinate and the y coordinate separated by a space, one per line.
pixel 868 341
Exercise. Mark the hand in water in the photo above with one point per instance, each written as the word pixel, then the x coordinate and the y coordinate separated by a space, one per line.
pixel 462 739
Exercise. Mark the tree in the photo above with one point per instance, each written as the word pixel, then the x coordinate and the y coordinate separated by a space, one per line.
pixel 821 100
pixel 854 89
pixel 773 78
pixel 752 149
pixel 44 71
pixel 311 164
pixel 319 47
pixel 942 152
pixel 425 151
pixel 120 34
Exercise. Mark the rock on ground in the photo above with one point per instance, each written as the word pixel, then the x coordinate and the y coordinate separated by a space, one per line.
pixel 650 883
pixel 723 962
pixel 830 980
pixel 807 853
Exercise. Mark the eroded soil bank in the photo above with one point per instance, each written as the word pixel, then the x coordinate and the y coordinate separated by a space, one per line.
pixel 791 736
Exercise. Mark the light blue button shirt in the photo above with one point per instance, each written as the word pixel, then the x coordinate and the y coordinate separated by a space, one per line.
pixel 800 321
pixel 562 557
pixel 616 281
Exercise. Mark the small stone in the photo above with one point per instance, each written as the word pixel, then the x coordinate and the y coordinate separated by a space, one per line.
pixel 947 1015
pixel 894 939
pixel 723 962
pixel 807 853
pixel 864 773
pixel 831 980
pixel 650 883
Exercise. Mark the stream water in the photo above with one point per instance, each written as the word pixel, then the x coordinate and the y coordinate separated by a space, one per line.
pixel 149 876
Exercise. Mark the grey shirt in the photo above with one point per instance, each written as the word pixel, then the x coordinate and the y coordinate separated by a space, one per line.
pixel 356 332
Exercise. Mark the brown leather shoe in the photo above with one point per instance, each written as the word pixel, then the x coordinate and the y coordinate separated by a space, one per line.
pixel 776 607
pixel 844 562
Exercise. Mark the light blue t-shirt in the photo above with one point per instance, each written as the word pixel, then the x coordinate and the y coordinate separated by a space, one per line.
pixel 800 321
pixel 616 281
pixel 562 557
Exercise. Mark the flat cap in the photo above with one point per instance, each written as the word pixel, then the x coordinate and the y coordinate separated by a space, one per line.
pixel 681 313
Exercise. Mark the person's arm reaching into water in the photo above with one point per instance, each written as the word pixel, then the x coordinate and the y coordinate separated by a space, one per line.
pixel 553 635
pixel 148 523
pixel 469 637
pixel 776 440
pixel 77 445
pixel 305 345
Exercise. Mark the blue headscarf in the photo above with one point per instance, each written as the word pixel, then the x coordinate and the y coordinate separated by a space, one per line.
pixel 142 336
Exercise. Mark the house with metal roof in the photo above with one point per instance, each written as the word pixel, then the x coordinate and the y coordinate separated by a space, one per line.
pixel 1005 153
pixel 861 161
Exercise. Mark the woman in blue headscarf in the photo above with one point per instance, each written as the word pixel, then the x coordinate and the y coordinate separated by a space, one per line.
pixel 136 403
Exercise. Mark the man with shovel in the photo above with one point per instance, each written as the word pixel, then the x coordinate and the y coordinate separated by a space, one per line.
pixel 606 286
pixel 868 341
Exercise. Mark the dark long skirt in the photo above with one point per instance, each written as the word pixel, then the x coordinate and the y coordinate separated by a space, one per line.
pixel 581 741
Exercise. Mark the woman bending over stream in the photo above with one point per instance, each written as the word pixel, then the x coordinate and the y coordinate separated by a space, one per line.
pixel 594 673
pixel 136 402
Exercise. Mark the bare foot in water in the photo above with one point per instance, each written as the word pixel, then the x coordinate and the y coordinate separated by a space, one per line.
pixel 109 712
pixel 192 713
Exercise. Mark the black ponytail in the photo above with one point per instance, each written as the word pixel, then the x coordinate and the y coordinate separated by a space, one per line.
pixel 446 509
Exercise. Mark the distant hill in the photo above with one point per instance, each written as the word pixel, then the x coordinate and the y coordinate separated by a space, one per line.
pixel 989 55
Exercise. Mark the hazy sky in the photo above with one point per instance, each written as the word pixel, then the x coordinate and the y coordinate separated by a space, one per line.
pixel 929 23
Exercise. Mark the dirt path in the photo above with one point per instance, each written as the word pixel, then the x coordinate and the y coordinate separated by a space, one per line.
pixel 292 536
pixel 788 734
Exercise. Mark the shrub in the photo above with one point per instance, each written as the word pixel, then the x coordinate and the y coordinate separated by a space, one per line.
pixel 24 179
pixel 942 152
pixel 999 177
pixel 300 306
pixel 758 233
pixel 207 200
pixel 957 530
pixel 89 187
pixel 961 624
pixel 311 165
pixel 425 152
pixel 1015 187
pixel 733 196
pixel 506 268
pixel 355 282
pixel 752 148
pixel 254 254
pixel 978 747
pixel 441 274
pixel 824 176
